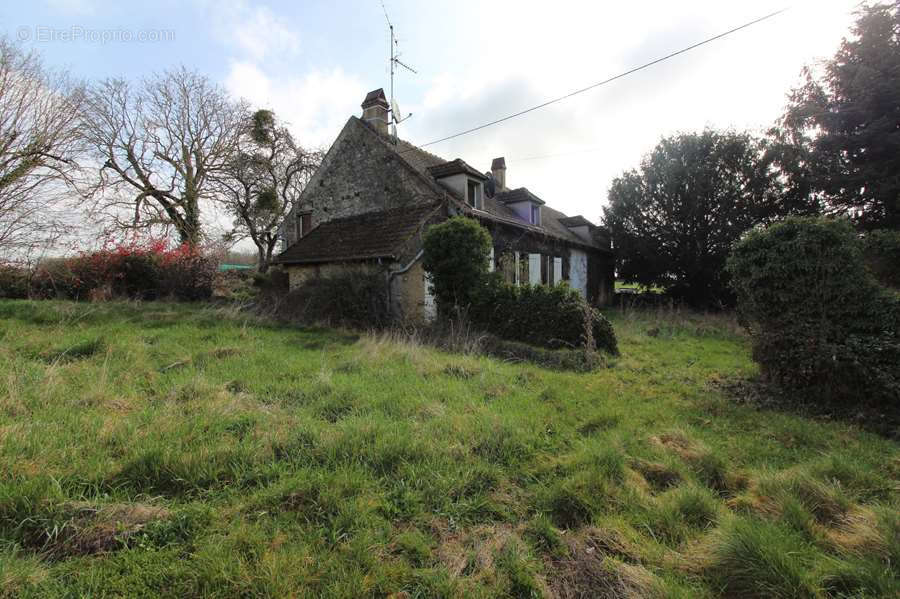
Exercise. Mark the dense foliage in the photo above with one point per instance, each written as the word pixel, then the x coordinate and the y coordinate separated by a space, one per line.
pixel 135 270
pixel 881 250
pixel 356 298
pixel 842 126
pixel 821 325
pixel 456 255
pixel 674 220
pixel 554 317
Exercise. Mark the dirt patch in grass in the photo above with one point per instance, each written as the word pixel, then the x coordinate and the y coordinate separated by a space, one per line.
pixel 709 467
pixel 678 443
pixel 590 570
pixel 658 475
pixel 90 529
pixel 459 371
pixel 472 552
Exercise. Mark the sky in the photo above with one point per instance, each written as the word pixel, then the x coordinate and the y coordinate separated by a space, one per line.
pixel 313 61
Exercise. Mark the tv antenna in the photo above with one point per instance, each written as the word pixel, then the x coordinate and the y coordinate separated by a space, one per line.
pixel 396 116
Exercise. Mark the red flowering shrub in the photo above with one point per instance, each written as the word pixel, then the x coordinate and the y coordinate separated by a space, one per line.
pixel 144 270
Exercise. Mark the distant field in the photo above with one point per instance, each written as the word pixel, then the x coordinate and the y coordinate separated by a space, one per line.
pixel 173 450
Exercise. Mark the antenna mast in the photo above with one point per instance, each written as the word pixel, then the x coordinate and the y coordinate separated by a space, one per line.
pixel 394 61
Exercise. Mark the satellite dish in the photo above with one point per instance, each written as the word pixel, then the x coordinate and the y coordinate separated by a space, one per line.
pixel 395 110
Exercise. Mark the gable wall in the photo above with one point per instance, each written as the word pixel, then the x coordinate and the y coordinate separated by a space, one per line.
pixel 358 175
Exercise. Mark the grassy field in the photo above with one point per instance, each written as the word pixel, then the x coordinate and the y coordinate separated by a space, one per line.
pixel 172 450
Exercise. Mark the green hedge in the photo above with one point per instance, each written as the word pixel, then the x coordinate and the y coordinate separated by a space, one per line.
pixel 457 255
pixel 554 317
pixel 821 325
pixel 14 282
pixel 881 250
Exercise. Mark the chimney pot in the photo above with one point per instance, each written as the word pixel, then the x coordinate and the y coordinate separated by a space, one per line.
pixel 498 169
pixel 375 110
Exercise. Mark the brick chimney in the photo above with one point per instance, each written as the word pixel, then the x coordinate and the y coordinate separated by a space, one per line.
pixel 375 111
pixel 498 169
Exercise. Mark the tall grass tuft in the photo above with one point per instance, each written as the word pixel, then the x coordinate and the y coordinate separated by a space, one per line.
pixel 753 558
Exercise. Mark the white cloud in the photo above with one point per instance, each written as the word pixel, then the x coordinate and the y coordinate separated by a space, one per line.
pixel 315 104
pixel 740 82
pixel 255 32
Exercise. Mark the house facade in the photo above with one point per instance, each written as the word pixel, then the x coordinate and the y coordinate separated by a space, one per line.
pixel 371 200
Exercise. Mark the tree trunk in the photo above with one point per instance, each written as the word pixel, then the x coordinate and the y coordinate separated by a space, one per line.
pixel 263 261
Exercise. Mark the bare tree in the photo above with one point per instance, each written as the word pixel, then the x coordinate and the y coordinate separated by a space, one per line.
pixel 263 181
pixel 39 143
pixel 160 145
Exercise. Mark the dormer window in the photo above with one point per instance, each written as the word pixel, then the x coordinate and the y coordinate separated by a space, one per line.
pixel 462 180
pixel 525 205
pixel 473 194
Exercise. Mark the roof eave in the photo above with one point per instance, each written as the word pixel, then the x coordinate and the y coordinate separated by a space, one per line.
pixel 323 260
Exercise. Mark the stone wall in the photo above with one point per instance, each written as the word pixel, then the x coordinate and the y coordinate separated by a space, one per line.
pixel 358 175
pixel 298 274
pixel 409 290
pixel 409 294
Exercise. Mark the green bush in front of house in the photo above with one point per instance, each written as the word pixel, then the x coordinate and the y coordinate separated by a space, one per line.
pixel 456 255
pixel 554 317
pixel 822 327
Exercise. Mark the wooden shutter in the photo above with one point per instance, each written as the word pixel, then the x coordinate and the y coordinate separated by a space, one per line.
pixel 534 269
pixel 305 223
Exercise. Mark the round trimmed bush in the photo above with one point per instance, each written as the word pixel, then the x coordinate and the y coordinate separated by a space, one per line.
pixel 820 322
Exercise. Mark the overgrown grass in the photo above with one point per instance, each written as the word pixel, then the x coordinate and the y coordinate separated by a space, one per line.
pixel 173 450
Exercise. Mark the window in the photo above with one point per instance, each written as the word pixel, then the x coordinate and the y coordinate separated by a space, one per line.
pixel 305 223
pixel 534 269
pixel 557 270
pixel 473 194
pixel 535 214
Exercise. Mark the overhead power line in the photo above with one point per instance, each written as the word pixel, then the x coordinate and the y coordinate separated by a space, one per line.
pixel 609 80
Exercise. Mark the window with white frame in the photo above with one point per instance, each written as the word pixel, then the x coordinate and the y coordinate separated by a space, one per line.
pixel 473 194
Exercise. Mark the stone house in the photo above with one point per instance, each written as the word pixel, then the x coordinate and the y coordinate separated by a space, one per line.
pixel 374 196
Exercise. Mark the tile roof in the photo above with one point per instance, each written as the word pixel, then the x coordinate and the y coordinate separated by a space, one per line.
pixel 454 167
pixel 576 221
pixel 421 160
pixel 520 194
pixel 361 237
